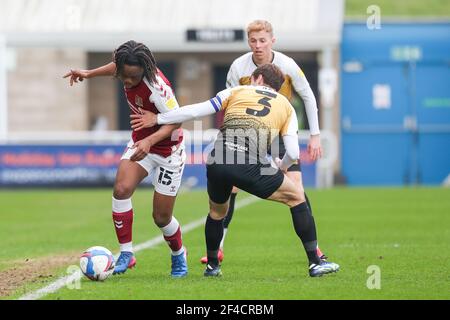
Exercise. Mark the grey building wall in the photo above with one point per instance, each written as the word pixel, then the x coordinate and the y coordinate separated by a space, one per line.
pixel 39 98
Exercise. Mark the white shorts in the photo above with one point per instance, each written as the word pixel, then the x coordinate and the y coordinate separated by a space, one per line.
pixel 166 172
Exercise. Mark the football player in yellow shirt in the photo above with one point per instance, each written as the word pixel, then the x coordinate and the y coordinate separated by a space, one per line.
pixel 260 40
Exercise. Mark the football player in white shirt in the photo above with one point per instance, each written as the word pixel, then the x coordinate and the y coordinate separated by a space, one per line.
pixel 261 40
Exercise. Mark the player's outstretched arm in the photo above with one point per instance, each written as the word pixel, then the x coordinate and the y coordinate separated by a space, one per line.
pixel 79 75
pixel 148 119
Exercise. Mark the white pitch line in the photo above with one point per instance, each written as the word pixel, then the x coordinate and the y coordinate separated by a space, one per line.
pixel 70 279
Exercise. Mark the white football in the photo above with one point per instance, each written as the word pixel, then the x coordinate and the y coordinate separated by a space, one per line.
pixel 97 263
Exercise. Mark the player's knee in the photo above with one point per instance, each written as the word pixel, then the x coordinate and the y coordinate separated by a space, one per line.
pixel 301 196
pixel 217 214
pixel 122 191
pixel 295 198
pixel 161 218
pixel 218 211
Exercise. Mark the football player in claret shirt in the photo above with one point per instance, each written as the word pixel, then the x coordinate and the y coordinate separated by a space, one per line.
pixel 253 117
pixel 260 40
pixel 158 151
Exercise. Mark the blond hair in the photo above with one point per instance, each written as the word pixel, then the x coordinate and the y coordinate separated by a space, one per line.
pixel 259 25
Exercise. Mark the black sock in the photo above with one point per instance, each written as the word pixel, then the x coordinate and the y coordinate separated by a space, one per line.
pixel 213 235
pixel 306 230
pixel 310 208
pixel 308 203
pixel 230 212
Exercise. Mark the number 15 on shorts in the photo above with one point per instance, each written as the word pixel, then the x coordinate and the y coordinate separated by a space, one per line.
pixel 165 176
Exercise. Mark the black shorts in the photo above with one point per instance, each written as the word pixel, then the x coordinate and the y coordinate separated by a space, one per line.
pixel 295 167
pixel 248 177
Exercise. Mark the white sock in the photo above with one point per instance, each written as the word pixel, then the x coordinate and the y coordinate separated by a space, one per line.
pixel 176 253
pixel 225 230
pixel 119 206
pixel 171 228
pixel 126 246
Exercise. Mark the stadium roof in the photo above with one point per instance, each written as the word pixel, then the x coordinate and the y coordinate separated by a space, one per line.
pixel 99 25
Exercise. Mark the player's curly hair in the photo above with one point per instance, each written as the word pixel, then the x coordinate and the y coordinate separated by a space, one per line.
pixel 272 75
pixel 135 54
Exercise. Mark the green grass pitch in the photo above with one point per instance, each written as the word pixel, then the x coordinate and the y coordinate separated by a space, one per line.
pixel 405 232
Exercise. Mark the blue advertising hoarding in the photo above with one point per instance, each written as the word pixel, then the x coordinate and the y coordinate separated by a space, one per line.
pixel 94 165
